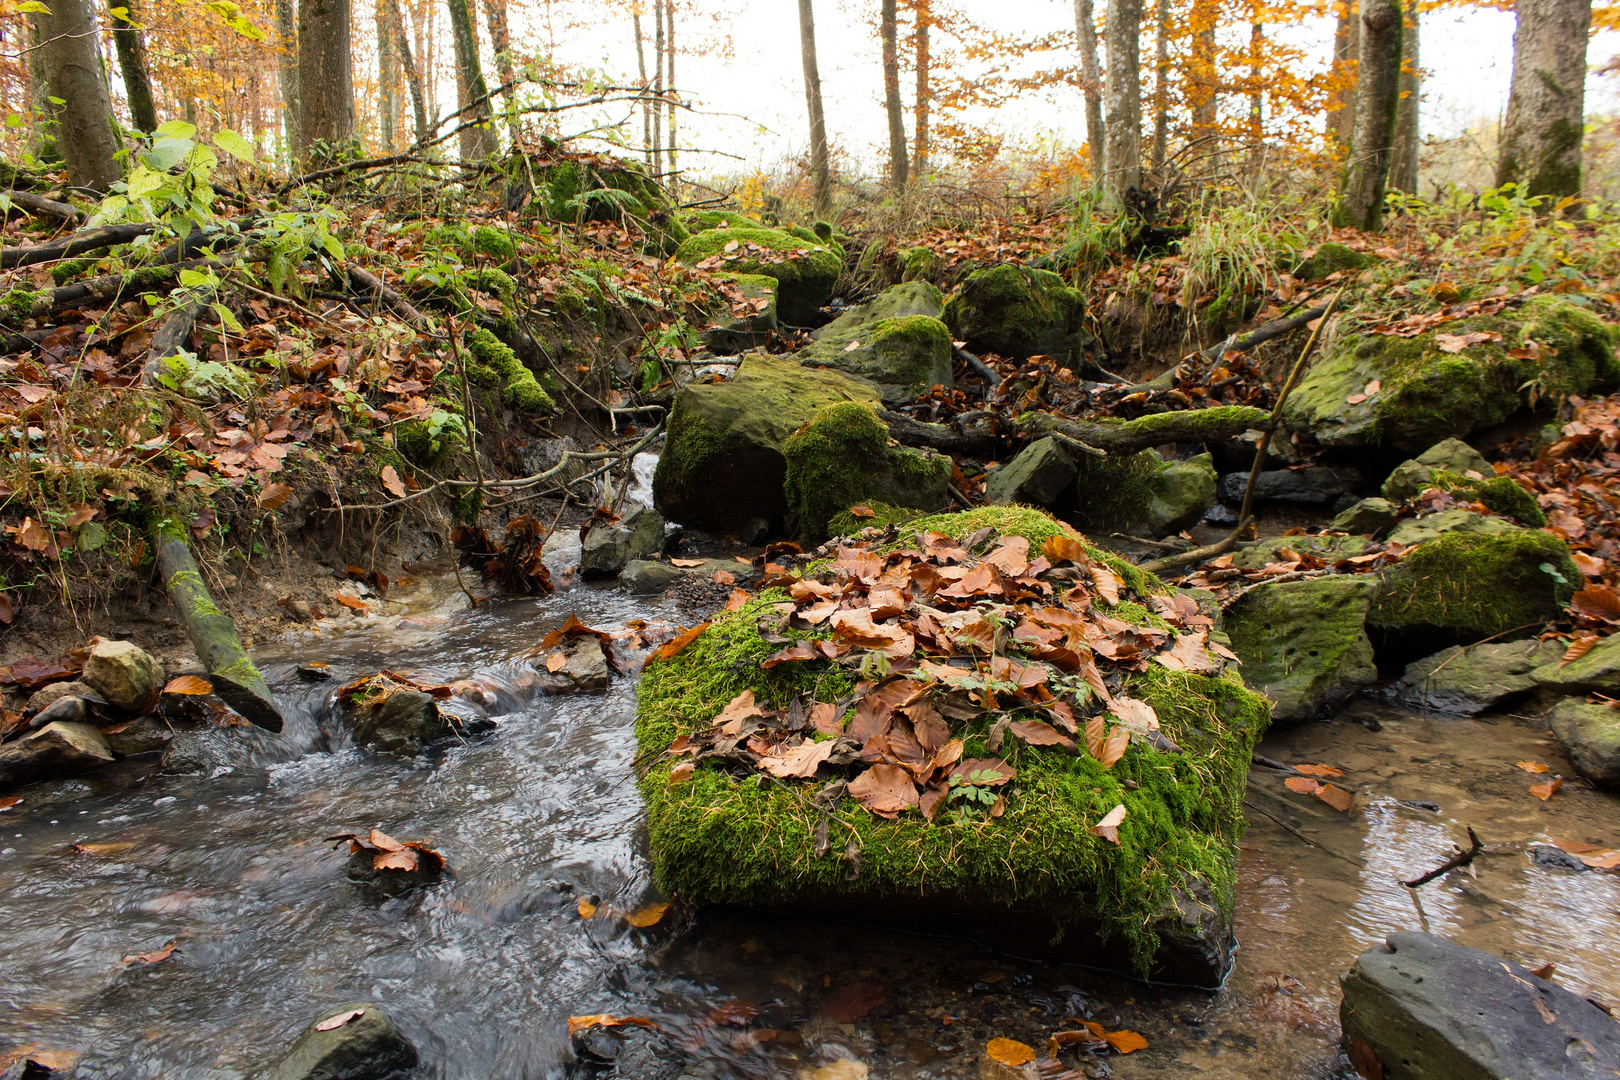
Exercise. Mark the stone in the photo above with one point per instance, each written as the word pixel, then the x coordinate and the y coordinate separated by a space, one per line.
pixel 1016 311
pixel 645 576
pixel 723 460
pixel 585 671
pixel 895 302
pixel 607 548
pixel 1598 670
pixel 1181 493
pixel 903 357
pixel 1042 474
pixel 55 750
pixel 1430 1009
pixel 1329 548
pixel 45 695
pixel 143 735
pixel 406 721
pixel 1410 477
pixel 1332 258
pixel 1306 487
pixel 70 710
pixel 1427 394
pixel 805 269
pixel 733 333
pixel 301 610
pixel 1142 494
pixel 1303 643
pixel 1369 517
pixel 1473 680
pixel 367 1046
pixel 208 752
pixel 1590 735
pixel 1420 530
pixel 124 675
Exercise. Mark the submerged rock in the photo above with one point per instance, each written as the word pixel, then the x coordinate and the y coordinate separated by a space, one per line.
pixel 1430 1009
pixel 143 735
pixel 55 750
pixel 607 548
pixel 895 302
pixel 1015 311
pixel 805 269
pixel 842 458
pixel 1369 517
pixel 1476 679
pixel 400 721
pixel 364 1046
pixel 723 460
pixel 1590 735
pixel 1303 643
pixel 645 576
pixel 903 357
pixel 585 668
pixel 125 675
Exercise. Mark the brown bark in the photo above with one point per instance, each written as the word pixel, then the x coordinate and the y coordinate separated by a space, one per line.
pixel 1403 165
pixel 669 87
pixel 658 89
pixel 478 143
pixel 820 170
pixel 1346 52
pixel 500 40
pixel 1122 97
pixel 325 78
pixel 1361 198
pixel 131 46
pixel 1257 93
pixel 67 35
pixel 1085 33
pixel 889 31
pixel 646 105
pixel 387 80
pixel 287 75
pixel 925 89
pixel 1541 138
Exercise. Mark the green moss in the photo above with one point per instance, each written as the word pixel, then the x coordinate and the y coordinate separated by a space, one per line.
pixel 884 514
pixel 905 356
pixel 519 388
pixel 1016 311
pixel 703 220
pixel 1499 493
pixel 805 269
pixel 418 445
pixel 1469 586
pixel 241 670
pixel 919 264
pixel 19 302
pixel 493 243
pixel 842 458
pixel 65 271
pixel 1331 258
pixel 466 507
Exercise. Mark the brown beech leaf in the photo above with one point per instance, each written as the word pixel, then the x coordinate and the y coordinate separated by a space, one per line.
pixel 1547 790
pixel 647 916
pixel 155 957
pixel 1336 797
pixel 1036 733
pixel 337 1020
pixel 686 564
pixel 577 1024
pixel 1579 646
pixel 1305 785
pixel 672 648
pixel 799 762
pixel 1114 747
pixel 188 684
pixel 738 709
pixel 825 718
pixel 1318 770
pixel 862 512
pixel 1108 827
pixel 789 655
pixel 1531 766
pixel 1107 584
pixel 1065 548
pixel 737 599
pixel 351 603
pixel 556 662
pixel 856 627
pixel 391 481
pixel 273 496
pixel 885 790
pixel 855 999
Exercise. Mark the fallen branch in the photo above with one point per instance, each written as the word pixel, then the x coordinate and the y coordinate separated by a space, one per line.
pixel 39 204
pixel 77 244
pixel 984 369
pixel 1269 331
pixel 1187 426
pixel 232 674
pixel 1198 554
pixel 975 441
pixel 368 283
pixel 172 333
pixel 1460 859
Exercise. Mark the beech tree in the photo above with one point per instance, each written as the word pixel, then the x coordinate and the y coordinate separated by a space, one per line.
pixel 1403 163
pixel 820 170
pixel 131 46
pixel 408 67
pixel 325 77
pixel 1123 98
pixel 923 13
pixel 1541 137
pixel 890 33
pixel 66 33
pixel 1346 53
pixel 287 76
pixel 1085 33
pixel 1378 70
pixel 477 142
pixel 669 105
pixel 500 40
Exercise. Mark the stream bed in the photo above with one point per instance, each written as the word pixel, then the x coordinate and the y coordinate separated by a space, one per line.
pixel 483 970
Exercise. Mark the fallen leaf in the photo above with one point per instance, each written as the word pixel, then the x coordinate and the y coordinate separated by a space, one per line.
pixel 1546 791
pixel 9 801
pixel 1010 1052
pixel 337 1020
pixel 724 577
pixel 188 684
pixel 673 648
pixel 1365 1060
pixel 1318 770
pixel 351 603
pixel 1036 733
pixel 1107 584
pixel 730 719
pixel 799 762
pixel 576 1024
pixel 1302 784
pixel 1579 646
pixel 855 999
pixel 856 627
pixel 586 908
pixel 152 957
pixel 1531 766
pixel 391 481
pixel 686 564
pixel 1108 827
pixel 1125 1042
pixel 647 916
pixel 885 790
pixel 274 495
pixel 682 772
pixel 737 599
pixel 1336 797
pixel 556 662
pixel 862 512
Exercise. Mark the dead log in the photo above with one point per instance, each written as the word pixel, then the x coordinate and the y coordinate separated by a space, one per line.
pixel 172 333
pixel 235 678
pixel 1262 334
pixel 368 284
pixel 77 244
pixel 1216 424
pixel 39 204
pixel 974 441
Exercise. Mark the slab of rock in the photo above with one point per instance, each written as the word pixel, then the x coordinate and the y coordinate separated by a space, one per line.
pixel 1590 735
pixel 895 302
pixel 1430 1009
pixel 1329 549
pixel 1419 530
pixel 1476 679
pixel 585 671
pixel 733 333
pixel 1015 311
pixel 1452 456
pixel 1042 474
pixel 143 735
pixel 1369 517
pixel 1306 487
pixel 57 749
pixel 1303 643
pixel 47 695
pixel 805 267
pixel 903 357
pixel 124 675
pixel 1142 494
pixel 1598 670
pixel 366 1046
pixel 607 548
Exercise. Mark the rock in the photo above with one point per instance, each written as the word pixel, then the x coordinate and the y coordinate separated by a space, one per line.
pixel 733 333
pixel 1042 474
pixel 1369 517
pixel 842 458
pixel 1420 530
pixel 1427 394
pixel 1598 670
pixel 608 547
pixel 1450 455
pixel 1551 858
pixel 301 610
pixel 1463 587
pixel 123 674
pixel 646 576
pixel 585 671
pixel 58 749
pixel 1018 312
pixel 805 269
pixel 1329 548
pixel 1331 258
pixel 1470 681
pixel 66 710
pixel 1590 735
pixel 1303 644
pixel 1430 1009
pixel 754 532
pixel 1142 494
pixel 143 735
pixel 919 263
pixel 1308 487
pixel 314 671
pixel 406 721
pixel 366 1047
pixel 209 752
pixel 723 460
pixel 903 357
pixel 895 302
pixel 45 695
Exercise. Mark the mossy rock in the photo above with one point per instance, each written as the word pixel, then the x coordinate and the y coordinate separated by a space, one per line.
pixel 697 221
pixel 920 264
pixel 1500 493
pixel 1427 394
pixel 1015 311
pixel 1464 587
pixel 842 458
pixel 805 269
pixel 904 357
pixel 493 364
pixel 723 460
pixel 883 515
pixel 895 302
pixel 733 334
pixel 1409 478
pixel 1036 877
pixel 1142 494
pixel 1332 258
pixel 1304 644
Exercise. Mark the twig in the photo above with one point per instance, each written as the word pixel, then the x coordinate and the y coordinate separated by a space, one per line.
pixel 980 366
pixel 1262 334
pixel 1460 859
pixel 1197 555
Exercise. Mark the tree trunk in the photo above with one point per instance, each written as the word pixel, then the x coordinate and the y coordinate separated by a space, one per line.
pixel 235 679
pixel 1161 85
pixel 1403 166
pixel 658 89
pixel 1085 33
pixel 387 80
pixel 407 64
pixel 1122 96
pixel 1257 92
pixel 325 79
pixel 1378 69
pixel 1203 82
pixel 1541 139
pixel 889 31
pixel 287 75
pixel 131 47
pixel 477 143
pixel 669 38
pixel 820 171
pixel 1346 54
pixel 86 132
pixel 925 89
pixel 41 143
pixel 646 105
pixel 500 40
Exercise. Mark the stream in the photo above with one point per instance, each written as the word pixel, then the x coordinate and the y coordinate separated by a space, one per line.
pixel 483 970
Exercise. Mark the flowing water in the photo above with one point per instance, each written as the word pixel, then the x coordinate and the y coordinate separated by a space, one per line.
pixel 484 969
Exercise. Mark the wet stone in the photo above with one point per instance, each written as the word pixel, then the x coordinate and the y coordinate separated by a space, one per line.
pixel 585 671
pixel 58 749
pixel 143 735
pixel 1420 530
pixel 125 675
pixel 1551 858
pixel 1451 455
pixel 1303 643
pixel 1598 670
pixel 608 548
pixel 1472 680
pixel 406 721
pixel 1590 735
pixel 45 695
pixel 1311 487
pixel 365 1047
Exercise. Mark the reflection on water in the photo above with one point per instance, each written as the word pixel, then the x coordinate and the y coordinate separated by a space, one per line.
pixel 484 969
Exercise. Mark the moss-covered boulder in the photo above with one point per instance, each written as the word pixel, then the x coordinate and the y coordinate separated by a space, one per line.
pixel 903 357
pixel 748 317
pixel 1332 258
pixel 1287 549
pixel 805 269
pixel 920 264
pixel 895 302
pixel 842 458
pixel 493 364
pixel 1421 530
pixel 1590 735
pixel 1015 311
pixel 1304 643
pixel 1036 873
pixel 1142 494
pixel 1464 587
pixel 697 221
pixel 723 460
pixel 1041 474
pixel 1545 349
pixel 1410 477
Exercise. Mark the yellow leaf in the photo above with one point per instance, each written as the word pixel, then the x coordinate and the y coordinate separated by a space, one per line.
pixel 1010 1052
pixel 647 916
